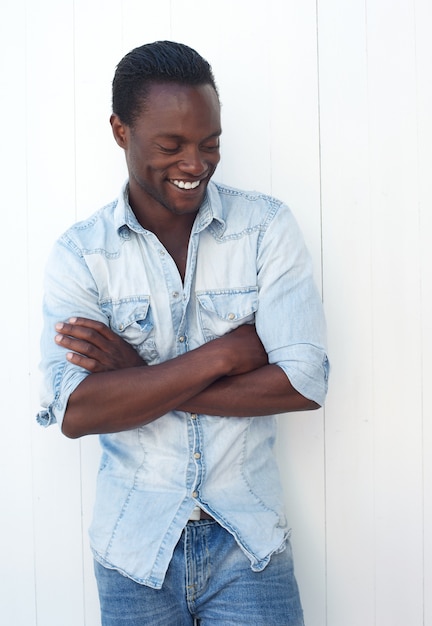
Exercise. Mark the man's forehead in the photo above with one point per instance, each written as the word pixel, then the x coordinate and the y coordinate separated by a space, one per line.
pixel 174 100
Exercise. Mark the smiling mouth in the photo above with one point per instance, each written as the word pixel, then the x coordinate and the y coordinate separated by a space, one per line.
pixel 181 184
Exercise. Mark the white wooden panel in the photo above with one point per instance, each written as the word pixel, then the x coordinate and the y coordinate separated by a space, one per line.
pixel 100 168
pixel 396 314
pixel 423 27
pixel 144 21
pixel 347 297
pixel 17 576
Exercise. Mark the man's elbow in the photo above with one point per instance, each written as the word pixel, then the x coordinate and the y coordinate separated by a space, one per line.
pixel 310 405
pixel 302 403
pixel 70 427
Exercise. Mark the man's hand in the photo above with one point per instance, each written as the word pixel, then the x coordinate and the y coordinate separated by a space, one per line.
pixel 244 350
pixel 94 346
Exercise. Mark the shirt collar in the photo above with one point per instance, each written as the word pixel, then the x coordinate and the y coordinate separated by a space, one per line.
pixel 210 214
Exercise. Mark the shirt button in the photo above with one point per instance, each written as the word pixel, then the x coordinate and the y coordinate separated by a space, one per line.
pixel 175 294
pixel 195 494
pixel 193 416
pixel 231 316
pixel 182 339
pixel 197 455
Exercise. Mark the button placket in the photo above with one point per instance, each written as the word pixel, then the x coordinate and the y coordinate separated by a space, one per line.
pixel 195 453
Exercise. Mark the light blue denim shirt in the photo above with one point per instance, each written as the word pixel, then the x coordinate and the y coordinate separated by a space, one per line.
pixel 247 263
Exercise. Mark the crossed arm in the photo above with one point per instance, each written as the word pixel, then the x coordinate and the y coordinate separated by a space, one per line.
pixel 229 376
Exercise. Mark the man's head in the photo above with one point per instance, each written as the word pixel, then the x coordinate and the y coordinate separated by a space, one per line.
pixel 166 117
pixel 155 63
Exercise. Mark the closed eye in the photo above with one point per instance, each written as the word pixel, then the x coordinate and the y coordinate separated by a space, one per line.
pixel 211 147
pixel 168 149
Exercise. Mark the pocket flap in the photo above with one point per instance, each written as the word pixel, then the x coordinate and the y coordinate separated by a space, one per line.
pixel 230 305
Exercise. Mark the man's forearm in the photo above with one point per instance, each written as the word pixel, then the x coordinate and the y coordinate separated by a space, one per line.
pixel 264 391
pixel 124 399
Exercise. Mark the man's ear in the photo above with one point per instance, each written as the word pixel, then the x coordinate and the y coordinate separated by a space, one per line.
pixel 119 130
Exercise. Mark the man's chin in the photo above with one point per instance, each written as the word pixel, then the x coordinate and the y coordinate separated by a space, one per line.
pixel 187 201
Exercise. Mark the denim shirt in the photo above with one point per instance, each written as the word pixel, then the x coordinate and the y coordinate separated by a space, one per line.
pixel 247 263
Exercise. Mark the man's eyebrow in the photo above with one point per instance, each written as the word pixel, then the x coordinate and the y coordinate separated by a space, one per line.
pixel 163 135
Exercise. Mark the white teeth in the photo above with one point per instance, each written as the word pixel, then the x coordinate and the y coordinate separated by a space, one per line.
pixel 186 185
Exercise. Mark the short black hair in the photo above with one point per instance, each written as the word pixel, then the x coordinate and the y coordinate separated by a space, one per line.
pixel 158 62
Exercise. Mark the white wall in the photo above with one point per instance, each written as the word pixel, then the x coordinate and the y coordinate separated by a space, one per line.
pixel 327 105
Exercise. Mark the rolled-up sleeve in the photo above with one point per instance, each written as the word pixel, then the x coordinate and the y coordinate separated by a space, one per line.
pixel 69 291
pixel 290 318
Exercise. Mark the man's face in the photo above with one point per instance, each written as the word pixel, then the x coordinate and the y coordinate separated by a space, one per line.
pixel 172 149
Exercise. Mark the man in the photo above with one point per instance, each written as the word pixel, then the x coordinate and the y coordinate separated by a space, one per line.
pixel 178 321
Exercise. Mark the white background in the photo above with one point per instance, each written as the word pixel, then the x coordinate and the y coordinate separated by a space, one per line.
pixel 326 105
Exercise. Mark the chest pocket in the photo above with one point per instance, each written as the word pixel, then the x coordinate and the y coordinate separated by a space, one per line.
pixel 132 319
pixel 221 311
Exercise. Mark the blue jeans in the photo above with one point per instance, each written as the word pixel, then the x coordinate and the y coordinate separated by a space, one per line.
pixel 209 582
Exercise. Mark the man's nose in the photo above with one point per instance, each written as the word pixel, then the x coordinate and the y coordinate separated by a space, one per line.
pixel 193 162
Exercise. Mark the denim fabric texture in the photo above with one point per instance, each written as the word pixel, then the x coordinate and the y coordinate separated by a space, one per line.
pixel 247 263
pixel 209 579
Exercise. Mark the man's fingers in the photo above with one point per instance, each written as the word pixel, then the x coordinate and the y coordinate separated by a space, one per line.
pixel 92 334
pixel 86 328
pixel 89 364
pixel 77 345
pixel 94 342
pixel 85 321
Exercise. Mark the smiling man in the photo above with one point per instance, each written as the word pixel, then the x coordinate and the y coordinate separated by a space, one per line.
pixel 179 320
